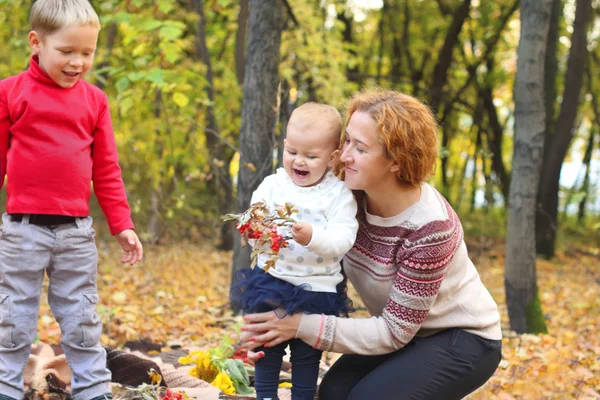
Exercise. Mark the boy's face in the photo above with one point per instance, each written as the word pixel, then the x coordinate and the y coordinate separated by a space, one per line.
pixel 307 155
pixel 66 55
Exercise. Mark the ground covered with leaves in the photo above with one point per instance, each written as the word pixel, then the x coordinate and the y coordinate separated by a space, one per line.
pixel 179 296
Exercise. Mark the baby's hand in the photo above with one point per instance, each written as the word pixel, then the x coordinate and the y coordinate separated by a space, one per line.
pixel 302 232
pixel 132 248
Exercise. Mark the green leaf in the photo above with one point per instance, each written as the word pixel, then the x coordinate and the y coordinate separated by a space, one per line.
pixel 136 76
pixel 237 372
pixel 180 99
pixel 172 53
pixel 123 17
pixel 150 25
pixel 170 32
pixel 165 6
pixel 122 84
pixel 156 76
pixel 125 104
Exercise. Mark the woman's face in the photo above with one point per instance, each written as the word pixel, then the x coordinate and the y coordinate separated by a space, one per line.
pixel 366 166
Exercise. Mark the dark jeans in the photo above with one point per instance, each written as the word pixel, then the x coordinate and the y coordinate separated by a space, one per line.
pixel 305 370
pixel 447 365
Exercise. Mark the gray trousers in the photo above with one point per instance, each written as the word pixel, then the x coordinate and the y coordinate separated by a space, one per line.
pixel 69 256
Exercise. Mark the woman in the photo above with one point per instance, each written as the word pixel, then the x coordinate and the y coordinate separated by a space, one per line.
pixel 435 330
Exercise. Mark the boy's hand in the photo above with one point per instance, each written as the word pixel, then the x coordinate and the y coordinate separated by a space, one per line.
pixel 302 232
pixel 132 248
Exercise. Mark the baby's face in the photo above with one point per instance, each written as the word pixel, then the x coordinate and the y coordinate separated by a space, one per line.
pixel 67 55
pixel 307 155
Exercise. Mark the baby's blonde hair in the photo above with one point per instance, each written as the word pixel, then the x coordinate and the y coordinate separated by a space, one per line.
pixel 318 116
pixel 49 16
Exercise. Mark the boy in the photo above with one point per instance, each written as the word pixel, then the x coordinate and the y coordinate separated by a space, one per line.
pixel 55 137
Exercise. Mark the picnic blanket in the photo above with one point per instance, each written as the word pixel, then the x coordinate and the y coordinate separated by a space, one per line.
pixel 47 374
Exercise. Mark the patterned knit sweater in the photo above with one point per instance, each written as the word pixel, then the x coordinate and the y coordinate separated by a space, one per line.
pixel 413 274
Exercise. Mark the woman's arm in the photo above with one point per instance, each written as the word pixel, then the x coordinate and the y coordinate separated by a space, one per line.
pixel 422 259
pixel 422 265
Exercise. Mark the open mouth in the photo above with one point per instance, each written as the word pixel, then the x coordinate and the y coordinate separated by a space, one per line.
pixel 71 74
pixel 300 173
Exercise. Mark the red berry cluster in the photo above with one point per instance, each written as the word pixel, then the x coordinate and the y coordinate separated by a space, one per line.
pixel 260 223
pixel 171 395
pixel 246 228
pixel 277 240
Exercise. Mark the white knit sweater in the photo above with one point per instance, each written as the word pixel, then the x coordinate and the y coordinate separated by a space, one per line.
pixel 330 208
pixel 414 275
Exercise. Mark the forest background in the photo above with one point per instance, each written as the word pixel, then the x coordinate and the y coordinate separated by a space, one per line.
pixel 174 71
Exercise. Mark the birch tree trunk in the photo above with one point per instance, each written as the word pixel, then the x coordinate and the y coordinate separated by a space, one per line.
pixel 524 309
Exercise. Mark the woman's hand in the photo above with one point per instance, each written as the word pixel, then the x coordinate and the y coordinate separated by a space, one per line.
pixel 267 329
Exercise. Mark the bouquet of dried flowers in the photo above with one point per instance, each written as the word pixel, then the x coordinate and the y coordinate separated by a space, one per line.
pixel 258 226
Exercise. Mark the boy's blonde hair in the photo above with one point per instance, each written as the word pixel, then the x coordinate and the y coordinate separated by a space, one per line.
pixel 49 16
pixel 324 117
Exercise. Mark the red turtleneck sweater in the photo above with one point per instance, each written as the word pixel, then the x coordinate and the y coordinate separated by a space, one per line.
pixel 53 143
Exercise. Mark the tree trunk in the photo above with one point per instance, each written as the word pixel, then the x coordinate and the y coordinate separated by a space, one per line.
pixel 551 67
pixel 258 108
pixel 416 73
pixel 440 72
pixel 524 308
pixel 154 222
pixel 240 40
pixel 285 112
pixel 555 152
pixel 381 41
pixel 111 36
pixel 585 186
pixel 396 57
pixel 494 142
pixel 476 155
pixel 221 183
pixel 353 73
pixel 590 148
pixel 440 76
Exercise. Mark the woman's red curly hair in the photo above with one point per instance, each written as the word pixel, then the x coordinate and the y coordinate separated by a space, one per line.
pixel 407 129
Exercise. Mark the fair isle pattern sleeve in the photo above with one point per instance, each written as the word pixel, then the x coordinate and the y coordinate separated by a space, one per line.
pixel 422 259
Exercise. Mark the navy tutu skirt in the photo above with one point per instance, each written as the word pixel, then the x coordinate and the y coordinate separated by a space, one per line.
pixel 258 291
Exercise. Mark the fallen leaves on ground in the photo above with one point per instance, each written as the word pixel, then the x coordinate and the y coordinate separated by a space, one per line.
pixel 565 363
pixel 179 297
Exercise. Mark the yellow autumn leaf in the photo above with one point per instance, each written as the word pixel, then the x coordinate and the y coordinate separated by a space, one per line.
pixel 119 297
pixel 223 382
pixel 250 166
pixel 285 385
pixel 155 377
pixel 180 99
